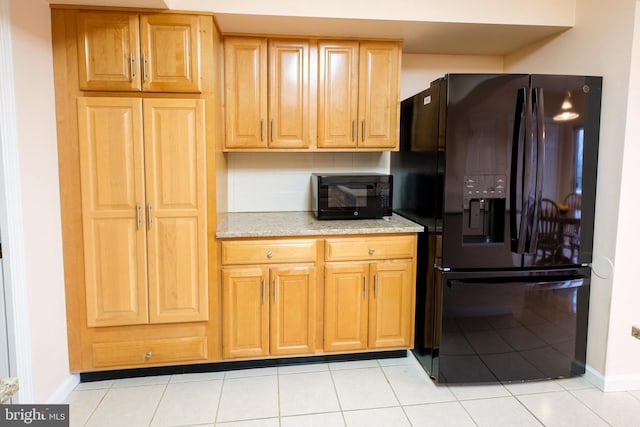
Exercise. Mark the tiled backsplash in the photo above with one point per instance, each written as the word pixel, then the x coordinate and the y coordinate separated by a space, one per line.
pixel 264 182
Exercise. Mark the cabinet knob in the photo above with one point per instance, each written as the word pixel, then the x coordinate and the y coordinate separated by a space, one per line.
pixel 372 250
pixel 148 355
pixel 269 254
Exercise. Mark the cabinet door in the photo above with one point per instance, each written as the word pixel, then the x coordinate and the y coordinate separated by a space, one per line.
pixel 176 209
pixel 288 94
pixel 108 56
pixel 245 73
pixel 170 47
pixel 338 94
pixel 292 313
pixel 111 172
pixel 391 304
pixel 345 313
pixel 379 102
pixel 245 312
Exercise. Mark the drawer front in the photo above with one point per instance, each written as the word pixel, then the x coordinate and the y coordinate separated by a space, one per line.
pixel 268 251
pixel 149 352
pixel 374 248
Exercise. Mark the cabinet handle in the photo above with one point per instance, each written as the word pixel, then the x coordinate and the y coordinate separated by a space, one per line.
pixel 131 65
pixel 354 131
pixel 144 68
pixel 375 285
pixel 372 251
pixel 137 216
pixel 148 355
pixel 269 254
pixel 271 129
pixel 275 290
pixel 364 129
pixel 149 220
pixel 364 286
pixel 263 290
pixel 262 130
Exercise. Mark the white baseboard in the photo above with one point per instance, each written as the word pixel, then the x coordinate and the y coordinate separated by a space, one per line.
pixel 65 389
pixel 608 383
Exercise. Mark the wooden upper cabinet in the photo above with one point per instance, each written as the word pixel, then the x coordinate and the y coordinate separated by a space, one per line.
pixel 379 95
pixel 245 73
pixel 120 51
pixel 338 94
pixel 108 53
pixel 358 94
pixel 288 93
pixel 170 46
pixel 266 93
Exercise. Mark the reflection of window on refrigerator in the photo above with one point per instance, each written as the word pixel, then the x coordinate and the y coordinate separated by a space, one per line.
pixel 579 140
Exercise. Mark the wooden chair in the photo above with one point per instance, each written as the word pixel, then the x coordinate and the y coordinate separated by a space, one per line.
pixel 573 201
pixel 549 237
pixel 571 231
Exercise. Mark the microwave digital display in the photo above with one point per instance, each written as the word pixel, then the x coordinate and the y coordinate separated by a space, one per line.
pixel 355 196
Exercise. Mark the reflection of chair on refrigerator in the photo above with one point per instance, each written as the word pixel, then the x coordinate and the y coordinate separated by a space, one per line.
pixel 571 229
pixel 548 233
pixel 573 201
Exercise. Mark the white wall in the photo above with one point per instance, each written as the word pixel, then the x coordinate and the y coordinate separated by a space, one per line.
pixel 601 44
pixel 36 129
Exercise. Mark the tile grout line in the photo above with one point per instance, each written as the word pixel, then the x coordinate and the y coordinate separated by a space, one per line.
pixel 335 390
pixel 222 382
pixel 395 394
pixel 106 390
pixel 587 406
pixel 155 412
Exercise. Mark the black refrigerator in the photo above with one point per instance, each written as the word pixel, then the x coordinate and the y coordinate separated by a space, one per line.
pixel 501 171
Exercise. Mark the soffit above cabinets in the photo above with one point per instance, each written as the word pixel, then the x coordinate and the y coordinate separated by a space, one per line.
pixel 459 27
pixel 418 37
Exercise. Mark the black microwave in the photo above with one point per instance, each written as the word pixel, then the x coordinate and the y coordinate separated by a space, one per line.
pixel 351 196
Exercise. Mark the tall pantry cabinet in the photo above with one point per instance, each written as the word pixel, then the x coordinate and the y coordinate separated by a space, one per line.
pixel 139 120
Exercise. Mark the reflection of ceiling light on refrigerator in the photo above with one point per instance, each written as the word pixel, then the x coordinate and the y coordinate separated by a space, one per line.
pixel 566 112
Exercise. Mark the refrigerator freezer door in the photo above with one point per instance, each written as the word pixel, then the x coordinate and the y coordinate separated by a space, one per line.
pixel 511 328
pixel 484 117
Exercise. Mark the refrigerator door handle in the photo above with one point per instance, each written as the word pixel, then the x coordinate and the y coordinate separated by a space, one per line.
pixel 528 178
pixel 515 186
pixel 538 105
pixel 550 285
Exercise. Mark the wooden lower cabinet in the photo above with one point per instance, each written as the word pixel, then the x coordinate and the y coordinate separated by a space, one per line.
pixel 268 310
pixel 369 300
pixel 368 305
pixel 302 296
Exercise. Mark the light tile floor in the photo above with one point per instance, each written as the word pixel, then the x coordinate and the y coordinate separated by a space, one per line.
pixel 371 393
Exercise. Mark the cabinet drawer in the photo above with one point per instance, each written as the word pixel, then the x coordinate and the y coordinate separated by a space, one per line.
pixel 149 352
pixel 365 248
pixel 268 251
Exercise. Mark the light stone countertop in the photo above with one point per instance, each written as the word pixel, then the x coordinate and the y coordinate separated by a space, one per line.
pixel 288 224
